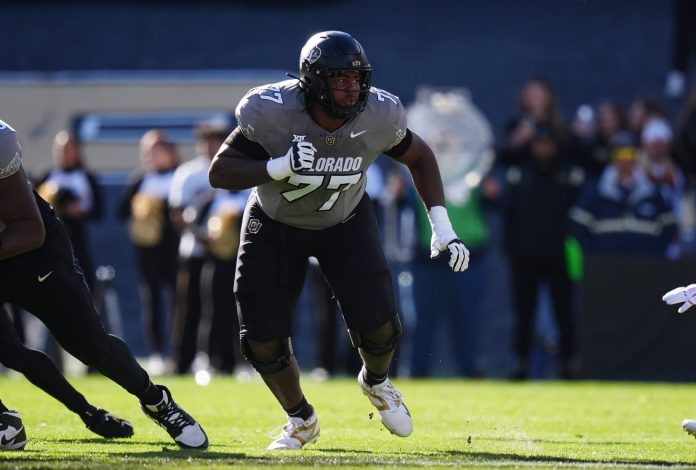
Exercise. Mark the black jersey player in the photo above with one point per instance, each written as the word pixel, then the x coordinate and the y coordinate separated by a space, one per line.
pixel 39 273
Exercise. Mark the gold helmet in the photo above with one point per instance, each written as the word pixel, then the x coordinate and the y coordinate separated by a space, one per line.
pixel 146 225
pixel 223 234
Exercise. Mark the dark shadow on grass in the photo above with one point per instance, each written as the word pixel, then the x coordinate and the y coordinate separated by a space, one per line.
pixel 513 458
pixel 175 454
pixel 549 441
pixel 102 458
pixel 343 451
pixel 102 441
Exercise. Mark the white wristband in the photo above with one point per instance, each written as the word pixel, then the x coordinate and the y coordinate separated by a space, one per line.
pixel 441 225
pixel 279 168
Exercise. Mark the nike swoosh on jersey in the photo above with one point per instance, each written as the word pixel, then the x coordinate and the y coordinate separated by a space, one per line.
pixel 353 135
pixel 43 278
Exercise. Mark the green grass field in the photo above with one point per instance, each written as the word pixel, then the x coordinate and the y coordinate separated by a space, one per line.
pixel 457 423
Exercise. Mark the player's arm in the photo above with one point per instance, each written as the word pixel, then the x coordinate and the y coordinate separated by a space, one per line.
pixel 239 164
pixel 24 230
pixel 421 162
pixel 242 163
pixel 417 155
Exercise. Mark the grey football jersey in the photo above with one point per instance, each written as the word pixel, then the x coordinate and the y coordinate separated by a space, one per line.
pixel 274 116
pixel 10 151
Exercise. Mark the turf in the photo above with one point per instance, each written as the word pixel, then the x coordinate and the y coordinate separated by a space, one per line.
pixel 457 423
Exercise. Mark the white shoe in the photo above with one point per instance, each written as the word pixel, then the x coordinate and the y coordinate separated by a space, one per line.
pixel 185 430
pixel 387 399
pixel 296 433
pixel 689 425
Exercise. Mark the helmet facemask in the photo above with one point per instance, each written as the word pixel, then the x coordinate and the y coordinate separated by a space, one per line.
pixel 324 94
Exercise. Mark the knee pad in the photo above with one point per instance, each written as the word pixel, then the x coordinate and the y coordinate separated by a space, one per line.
pixel 378 344
pixel 275 363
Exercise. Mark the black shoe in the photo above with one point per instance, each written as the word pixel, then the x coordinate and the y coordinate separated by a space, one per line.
pixel 12 434
pixel 107 425
pixel 185 430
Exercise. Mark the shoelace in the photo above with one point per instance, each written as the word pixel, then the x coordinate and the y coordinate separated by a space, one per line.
pixel 390 393
pixel 282 430
pixel 175 416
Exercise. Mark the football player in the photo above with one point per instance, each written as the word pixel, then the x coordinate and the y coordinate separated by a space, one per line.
pixel 39 273
pixel 304 145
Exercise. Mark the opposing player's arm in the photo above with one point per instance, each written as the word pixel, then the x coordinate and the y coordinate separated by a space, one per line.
pixel 239 164
pixel 24 230
pixel 413 152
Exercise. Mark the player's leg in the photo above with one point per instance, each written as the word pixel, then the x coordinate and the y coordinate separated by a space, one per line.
pixel 41 371
pixel 60 298
pixel 352 259
pixel 270 273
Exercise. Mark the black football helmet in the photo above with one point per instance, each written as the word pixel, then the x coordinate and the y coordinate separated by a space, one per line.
pixel 325 54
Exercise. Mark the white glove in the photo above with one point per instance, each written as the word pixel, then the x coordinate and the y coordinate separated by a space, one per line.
pixel 444 238
pixel 681 294
pixel 300 157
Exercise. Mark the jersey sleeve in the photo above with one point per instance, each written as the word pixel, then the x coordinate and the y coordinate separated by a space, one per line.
pixel 247 114
pixel 393 115
pixel 10 151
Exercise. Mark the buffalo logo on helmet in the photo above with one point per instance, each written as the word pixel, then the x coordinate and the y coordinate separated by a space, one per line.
pixel 314 54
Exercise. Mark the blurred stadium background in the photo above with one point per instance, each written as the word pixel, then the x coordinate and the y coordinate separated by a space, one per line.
pixel 114 69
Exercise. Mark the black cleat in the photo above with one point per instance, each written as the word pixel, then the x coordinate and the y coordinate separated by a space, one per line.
pixel 185 430
pixel 12 434
pixel 106 425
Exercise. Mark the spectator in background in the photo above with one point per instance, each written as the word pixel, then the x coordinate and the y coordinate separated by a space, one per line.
pixel 539 192
pixel 220 219
pixel 73 192
pixel 623 212
pixel 640 112
pixel 190 190
pixel 538 105
pixel 596 145
pixel 145 206
pixel 656 161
